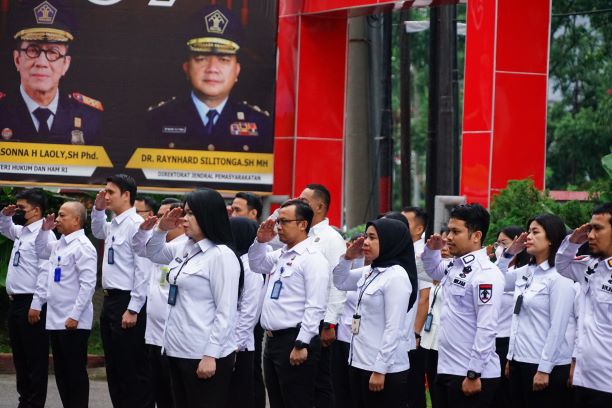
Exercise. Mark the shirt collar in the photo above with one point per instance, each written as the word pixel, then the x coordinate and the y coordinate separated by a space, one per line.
pixel 205 244
pixel 32 105
pixel 126 214
pixel 316 229
pixel 544 266
pixel 298 248
pixel 203 109
pixel 34 226
pixel 72 236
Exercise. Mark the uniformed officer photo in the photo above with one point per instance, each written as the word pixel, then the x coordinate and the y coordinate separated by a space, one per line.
pixel 208 117
pixel 37 111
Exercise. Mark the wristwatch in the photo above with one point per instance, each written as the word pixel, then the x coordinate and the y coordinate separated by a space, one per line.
pixel 472 375
pixel 327 325
pixel 299 344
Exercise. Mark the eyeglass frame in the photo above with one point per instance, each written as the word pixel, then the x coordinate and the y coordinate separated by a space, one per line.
pixel 282 221
pixel 39 51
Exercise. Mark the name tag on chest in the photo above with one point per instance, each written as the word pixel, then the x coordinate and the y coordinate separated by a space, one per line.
pixel 459 282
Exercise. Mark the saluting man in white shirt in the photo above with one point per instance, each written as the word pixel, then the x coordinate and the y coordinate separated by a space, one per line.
pixel 593 350
pixel 71 283
pixel 125 278
pixel 294 304
pixel 26 282
pixel 468 367
pixel 331 244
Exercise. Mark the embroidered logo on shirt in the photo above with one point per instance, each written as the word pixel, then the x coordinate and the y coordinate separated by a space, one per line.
pixel 485 292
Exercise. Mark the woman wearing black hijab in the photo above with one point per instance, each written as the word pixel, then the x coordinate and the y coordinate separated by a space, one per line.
pixel 242 392
pixel 204 277
pixel 379 349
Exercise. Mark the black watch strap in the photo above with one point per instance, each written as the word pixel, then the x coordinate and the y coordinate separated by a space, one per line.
pixel 472 375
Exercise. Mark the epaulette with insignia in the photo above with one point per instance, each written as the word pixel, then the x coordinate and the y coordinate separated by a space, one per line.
pixel 2 95
pixel 86 100
pixel 256 108
pixel 160 104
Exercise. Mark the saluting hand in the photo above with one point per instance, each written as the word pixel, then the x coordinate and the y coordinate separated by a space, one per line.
pixel 171 219
pixel 436 242
pixel 580 234
pixel 9 210
pixel 149 223
pixel 265 232
pixel 518 244
pixel 71 324
pixel 49 222
pixel 207 367
pixel 355 250
pixel 100 203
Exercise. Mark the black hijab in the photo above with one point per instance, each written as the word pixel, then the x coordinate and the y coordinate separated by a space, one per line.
pixel 395 248
pixel 244 231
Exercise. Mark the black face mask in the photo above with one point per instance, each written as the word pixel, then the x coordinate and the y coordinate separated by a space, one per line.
pixel 19 218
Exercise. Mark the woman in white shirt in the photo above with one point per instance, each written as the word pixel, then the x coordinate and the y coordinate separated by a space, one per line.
pixel 539 355
pixel 204 278
pixel 379 348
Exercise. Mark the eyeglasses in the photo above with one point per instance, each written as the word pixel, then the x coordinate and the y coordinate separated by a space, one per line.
pixel 33 52
pixel 282 221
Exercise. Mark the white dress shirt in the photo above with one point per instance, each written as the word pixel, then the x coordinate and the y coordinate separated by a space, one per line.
pixel 594 344
pixel 429 339
pixel 381 344
pixel 507 306
pixel 346 318
pixel 129 271
pixel 411 315
pixel 248 307
pixel 538 331
pixel 30 275
pixel 332 246
pixel 304 274
pixel 468 325
pixel 207 275
pixel 419 246
pixel 71 297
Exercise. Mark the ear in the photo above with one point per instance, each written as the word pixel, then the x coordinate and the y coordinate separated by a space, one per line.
pixel 253 213
pixel 186 68
pixel 477 236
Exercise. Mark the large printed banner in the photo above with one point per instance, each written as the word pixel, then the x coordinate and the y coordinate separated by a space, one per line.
pixel 177 93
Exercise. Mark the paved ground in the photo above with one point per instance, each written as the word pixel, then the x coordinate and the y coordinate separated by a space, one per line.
pixel 98 392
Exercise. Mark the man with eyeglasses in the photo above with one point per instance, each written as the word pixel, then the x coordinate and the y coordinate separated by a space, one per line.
pixel 26 286
pixel 37 111
pixel 208 117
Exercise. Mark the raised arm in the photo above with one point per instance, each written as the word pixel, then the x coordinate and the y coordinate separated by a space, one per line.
pixel 566 262
pixel 433 263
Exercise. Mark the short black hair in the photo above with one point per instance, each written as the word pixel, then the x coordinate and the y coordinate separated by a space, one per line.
pixel 150 203
pixel 398 216
pixel 419 214
pixel 253 201
pixel 302 211
pixel 35 197
pixel 475 216
pixel 125 183
pixel 605 208
pixel 322 193
pixel 555 230
pixel 170 200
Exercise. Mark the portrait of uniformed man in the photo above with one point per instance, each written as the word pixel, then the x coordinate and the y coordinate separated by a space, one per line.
pixel 37 110
pixel 208 117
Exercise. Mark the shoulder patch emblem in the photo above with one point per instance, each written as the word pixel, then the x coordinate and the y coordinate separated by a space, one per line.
pixel 86 100
pixel 485 292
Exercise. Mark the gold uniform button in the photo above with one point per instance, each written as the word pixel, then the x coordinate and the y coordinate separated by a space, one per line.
pixel 245 148
pixel 211 147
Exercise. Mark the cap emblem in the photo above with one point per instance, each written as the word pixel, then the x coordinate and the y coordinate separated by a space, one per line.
pixel 216 22
pixel 45 13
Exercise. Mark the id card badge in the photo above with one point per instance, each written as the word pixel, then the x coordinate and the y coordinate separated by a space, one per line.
pixel 57 274
pixel 428 322
pixel 172 294
pixel 16 258
pixel 355 324
pixel 518 304
pixel 276 289
pixel 111 256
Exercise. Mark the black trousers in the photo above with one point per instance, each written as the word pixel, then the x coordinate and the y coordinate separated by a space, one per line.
pixel 30 346
pixel 324 391
pixel 393 394
pixel 258 380
pixel 557 394
pixel 340 374
pixel 590 398
pixel 127 373
pixel 431 369
pixel 503 397
pixel 287 385
pixel 69 349
pixel 242 392
pixel 189 391
pixel 416 378
pixel 450 395
pixel 160 377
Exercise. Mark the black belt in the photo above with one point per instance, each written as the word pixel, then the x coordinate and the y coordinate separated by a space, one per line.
pixel 115 292
pixel 281 332
pixel 20 296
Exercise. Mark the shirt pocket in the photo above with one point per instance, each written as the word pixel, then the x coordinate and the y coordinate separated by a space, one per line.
pixel 603 309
